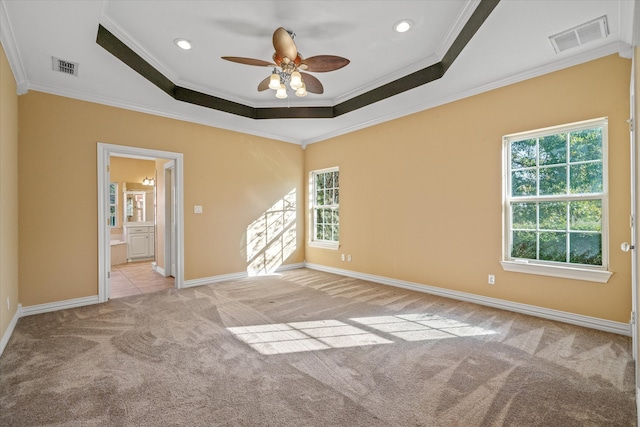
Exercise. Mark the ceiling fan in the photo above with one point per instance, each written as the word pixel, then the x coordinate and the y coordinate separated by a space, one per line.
pixel 287 63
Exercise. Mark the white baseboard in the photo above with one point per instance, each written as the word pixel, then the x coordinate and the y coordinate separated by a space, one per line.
pixel 532 310
pixel 12 325
pixel 235 276
pixel 58 305
pixel 157 269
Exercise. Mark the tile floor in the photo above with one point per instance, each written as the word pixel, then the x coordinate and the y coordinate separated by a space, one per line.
pixel 137 278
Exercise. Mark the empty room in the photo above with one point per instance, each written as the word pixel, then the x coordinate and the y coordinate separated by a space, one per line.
pixel 319 213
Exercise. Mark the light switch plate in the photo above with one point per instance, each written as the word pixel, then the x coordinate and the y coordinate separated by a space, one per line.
pixel 197 209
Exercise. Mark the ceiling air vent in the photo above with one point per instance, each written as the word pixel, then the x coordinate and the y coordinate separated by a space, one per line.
pixel 66 67
pixel 577 36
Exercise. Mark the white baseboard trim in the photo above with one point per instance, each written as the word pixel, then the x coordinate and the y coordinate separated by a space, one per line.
pixel 12 325
pixel 157 269
pixel 58 305
pixel 235 276
pixel 532 310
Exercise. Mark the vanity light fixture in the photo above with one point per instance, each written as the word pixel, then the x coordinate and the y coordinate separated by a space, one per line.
pixel 183 44
pixel 148 181
pixel 403 26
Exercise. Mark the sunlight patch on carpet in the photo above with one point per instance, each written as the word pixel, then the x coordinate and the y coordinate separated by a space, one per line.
pixel 281 338
pixel 295 337
pixel 420 327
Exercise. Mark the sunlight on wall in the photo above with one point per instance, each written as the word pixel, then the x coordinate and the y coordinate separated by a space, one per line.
pixel 280 338
pixel 271 238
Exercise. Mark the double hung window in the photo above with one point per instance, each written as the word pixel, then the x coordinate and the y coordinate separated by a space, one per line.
pixel 556 201
pixel 325 199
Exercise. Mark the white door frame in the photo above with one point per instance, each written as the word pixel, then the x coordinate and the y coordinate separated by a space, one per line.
pixel 169 218
pixel 105 151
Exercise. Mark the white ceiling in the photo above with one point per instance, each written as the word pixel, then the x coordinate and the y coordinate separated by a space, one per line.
pixel 512 45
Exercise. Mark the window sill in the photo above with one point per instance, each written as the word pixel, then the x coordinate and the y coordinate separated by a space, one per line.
pixel 600 276
pixel 325 245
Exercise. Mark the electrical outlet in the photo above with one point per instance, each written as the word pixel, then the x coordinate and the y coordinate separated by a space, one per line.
pixel 492 279
pixel 342 257
pixel 349 258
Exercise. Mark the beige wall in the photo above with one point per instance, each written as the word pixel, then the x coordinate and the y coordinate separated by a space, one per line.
pixel 421 196
pixel 235 177
pixel 8 194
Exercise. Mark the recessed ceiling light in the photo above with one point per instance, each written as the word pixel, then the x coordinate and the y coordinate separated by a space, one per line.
pixel 403 26
pixel 183 44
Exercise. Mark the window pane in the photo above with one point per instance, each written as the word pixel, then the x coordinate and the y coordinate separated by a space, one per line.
pixel 586 215
pixel 336 182
pixel 524 244
pixel 334 216
pixel 320 197
pixel 553 149
pixel 586 248
pixel 523 153
pixel 586 178
pixel 327 232
pixel 523 183
pixel 328 180
pixel 328 197
pixel 523 216
pixel 319 181
pixel 586 145
pixel 319 233
pixel 553 216
pixel 319 216
pixel 553 246
pixel 553 180
pixel 336 197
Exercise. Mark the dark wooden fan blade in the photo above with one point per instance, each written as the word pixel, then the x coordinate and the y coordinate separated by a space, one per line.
pixel 312 84
pixel 324 63
pixel 284 45
pixel 264 85
pixel 249 61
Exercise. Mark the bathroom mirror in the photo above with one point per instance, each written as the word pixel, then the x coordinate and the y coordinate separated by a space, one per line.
pixel 134 206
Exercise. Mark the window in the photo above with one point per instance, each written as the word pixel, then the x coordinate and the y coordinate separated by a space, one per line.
pixel 325 196
pixel 113 204
pixel 556 201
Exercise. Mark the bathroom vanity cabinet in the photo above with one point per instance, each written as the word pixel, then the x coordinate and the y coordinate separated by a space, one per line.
pixel 140 242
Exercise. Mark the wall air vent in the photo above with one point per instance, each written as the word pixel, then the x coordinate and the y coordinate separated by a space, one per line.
pixel 577 36
pixel 66 67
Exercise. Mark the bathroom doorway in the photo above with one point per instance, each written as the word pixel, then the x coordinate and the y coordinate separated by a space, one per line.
pixel 158 224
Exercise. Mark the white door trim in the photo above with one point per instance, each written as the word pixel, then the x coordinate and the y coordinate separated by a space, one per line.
pixel 105 151
pixel 169 212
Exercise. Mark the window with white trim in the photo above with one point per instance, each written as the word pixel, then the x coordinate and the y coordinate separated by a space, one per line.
pixel 556 201
pixel 113 204
pixel 325 199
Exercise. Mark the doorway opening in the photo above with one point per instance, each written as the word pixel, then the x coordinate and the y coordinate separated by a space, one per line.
pixel 170 233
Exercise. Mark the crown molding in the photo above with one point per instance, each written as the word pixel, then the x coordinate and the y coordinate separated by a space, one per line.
pixel 11 50
pixel 220 124
pixel 601 52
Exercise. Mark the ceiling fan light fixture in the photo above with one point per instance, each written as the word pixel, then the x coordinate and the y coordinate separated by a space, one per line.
pixel 296 80
pixel 403 26
pixel 302 90
pixel 274 81
pixel 183 44
pixel 281 93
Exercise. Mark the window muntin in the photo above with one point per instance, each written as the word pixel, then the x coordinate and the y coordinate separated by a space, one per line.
pixel 325 199
pixel 113 204
pixel 556 196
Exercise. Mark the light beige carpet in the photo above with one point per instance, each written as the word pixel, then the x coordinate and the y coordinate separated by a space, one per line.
pixel 307 348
